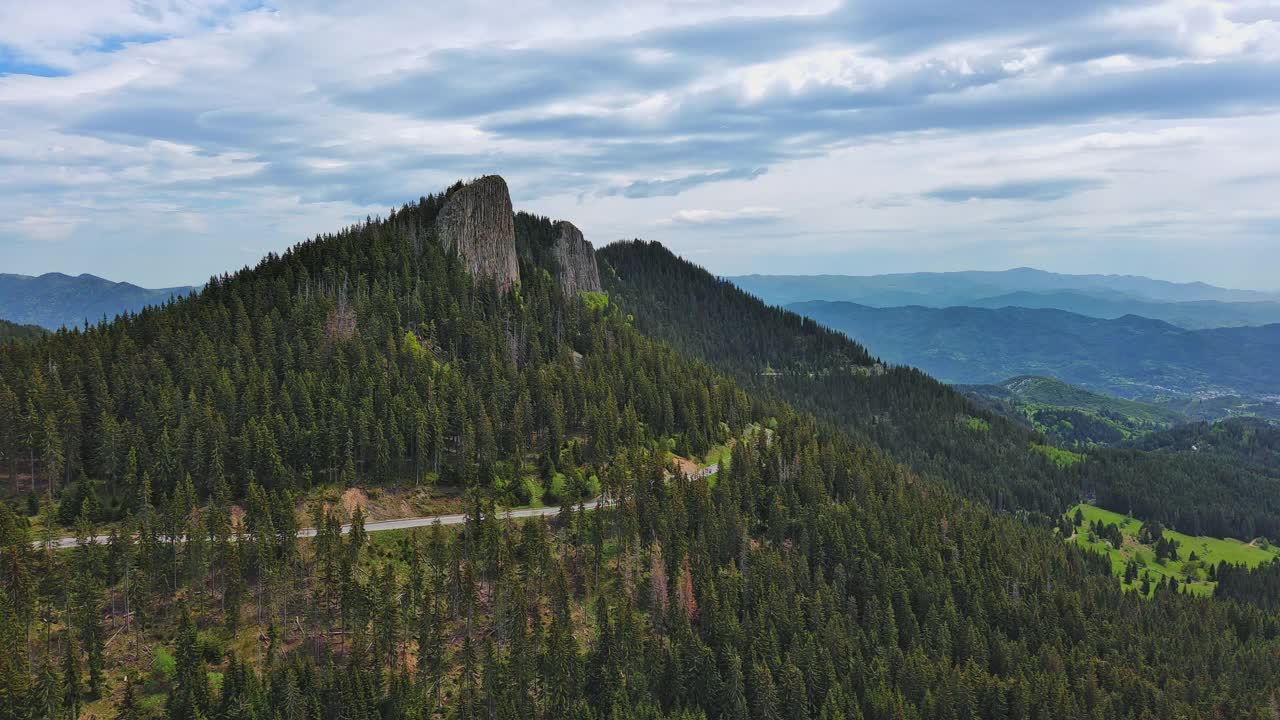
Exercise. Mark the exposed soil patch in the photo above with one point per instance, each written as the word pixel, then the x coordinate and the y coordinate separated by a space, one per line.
pixel 353 498
pixel 686 466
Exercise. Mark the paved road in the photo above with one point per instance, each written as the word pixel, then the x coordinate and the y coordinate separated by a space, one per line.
pixel 381 525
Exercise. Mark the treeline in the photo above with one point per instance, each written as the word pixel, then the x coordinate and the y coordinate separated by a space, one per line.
pixel 1259 585
pixel 18 333
pixel 920 421
pixel 366 356
pixel 813 579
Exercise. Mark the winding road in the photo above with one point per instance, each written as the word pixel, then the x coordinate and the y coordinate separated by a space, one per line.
pixel 383 525
pixel 65 543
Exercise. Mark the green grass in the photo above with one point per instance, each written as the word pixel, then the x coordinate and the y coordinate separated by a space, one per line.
pixel 1060 457
pixel 718 454
pixel 1208 550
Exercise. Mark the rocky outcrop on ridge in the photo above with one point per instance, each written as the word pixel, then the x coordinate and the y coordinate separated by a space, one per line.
pixel 575 258
pixel 477 222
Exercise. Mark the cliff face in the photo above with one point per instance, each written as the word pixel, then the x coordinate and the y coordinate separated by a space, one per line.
pixel 477 222
pixel 576 261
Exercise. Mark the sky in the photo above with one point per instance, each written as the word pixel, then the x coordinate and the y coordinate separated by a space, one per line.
pixel 164 141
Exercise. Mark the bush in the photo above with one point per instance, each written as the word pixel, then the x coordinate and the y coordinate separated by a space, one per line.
pixel 163 666
pixel 596 301
pixel 210 647
pixel 519 493
pixel 554 491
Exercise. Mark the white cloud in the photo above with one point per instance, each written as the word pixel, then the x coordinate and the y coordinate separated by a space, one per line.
pixel 721 217
pixel 241 125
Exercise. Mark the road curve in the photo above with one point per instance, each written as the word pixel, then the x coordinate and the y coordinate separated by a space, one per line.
pixel 380 525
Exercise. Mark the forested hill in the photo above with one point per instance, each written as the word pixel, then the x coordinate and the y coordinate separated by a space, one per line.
pixel 1248 441
pixel 367 355
pixel 923 423
pixel 812 577
pixel 13 331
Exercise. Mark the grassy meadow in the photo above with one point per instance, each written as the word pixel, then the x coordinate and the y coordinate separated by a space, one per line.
pixel 1208 550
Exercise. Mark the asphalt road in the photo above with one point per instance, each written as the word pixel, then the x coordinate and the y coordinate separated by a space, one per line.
pixel 411 522
pixel 382 525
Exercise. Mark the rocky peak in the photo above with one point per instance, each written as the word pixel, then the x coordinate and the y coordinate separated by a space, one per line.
pixel 477 222
pixel 576 268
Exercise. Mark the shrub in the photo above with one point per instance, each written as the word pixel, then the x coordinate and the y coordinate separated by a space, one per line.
pixel 554 492
pixel 163 666
pixel 519 492
pixel 210 647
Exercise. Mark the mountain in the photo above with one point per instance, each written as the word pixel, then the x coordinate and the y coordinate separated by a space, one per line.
pixel 964 288
pixel 54 300
pixel 15 332
pixel 1187 305
pixel 1192 315
pixel 813 576
pixel 1131 357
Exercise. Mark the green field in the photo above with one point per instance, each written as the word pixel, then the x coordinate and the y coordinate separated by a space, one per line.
pixel 1208 550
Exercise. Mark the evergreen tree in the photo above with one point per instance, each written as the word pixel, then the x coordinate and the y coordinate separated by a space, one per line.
pixel 189 696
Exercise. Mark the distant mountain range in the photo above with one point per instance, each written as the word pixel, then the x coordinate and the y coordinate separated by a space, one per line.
pixel 1132 357
pixel 1187 305
pixel 55 300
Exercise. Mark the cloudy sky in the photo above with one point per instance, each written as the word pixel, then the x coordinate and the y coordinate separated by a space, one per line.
pixel 161 141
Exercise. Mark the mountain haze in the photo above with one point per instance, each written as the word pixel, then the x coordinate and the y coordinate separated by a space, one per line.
pixel 960 288
pixel 55 300
pixel 1131 357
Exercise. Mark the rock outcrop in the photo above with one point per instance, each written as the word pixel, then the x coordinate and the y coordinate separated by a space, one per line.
pixel 477 222
pixel 576 269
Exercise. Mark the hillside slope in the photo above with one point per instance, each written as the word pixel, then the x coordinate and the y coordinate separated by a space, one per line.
pixel 922 422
